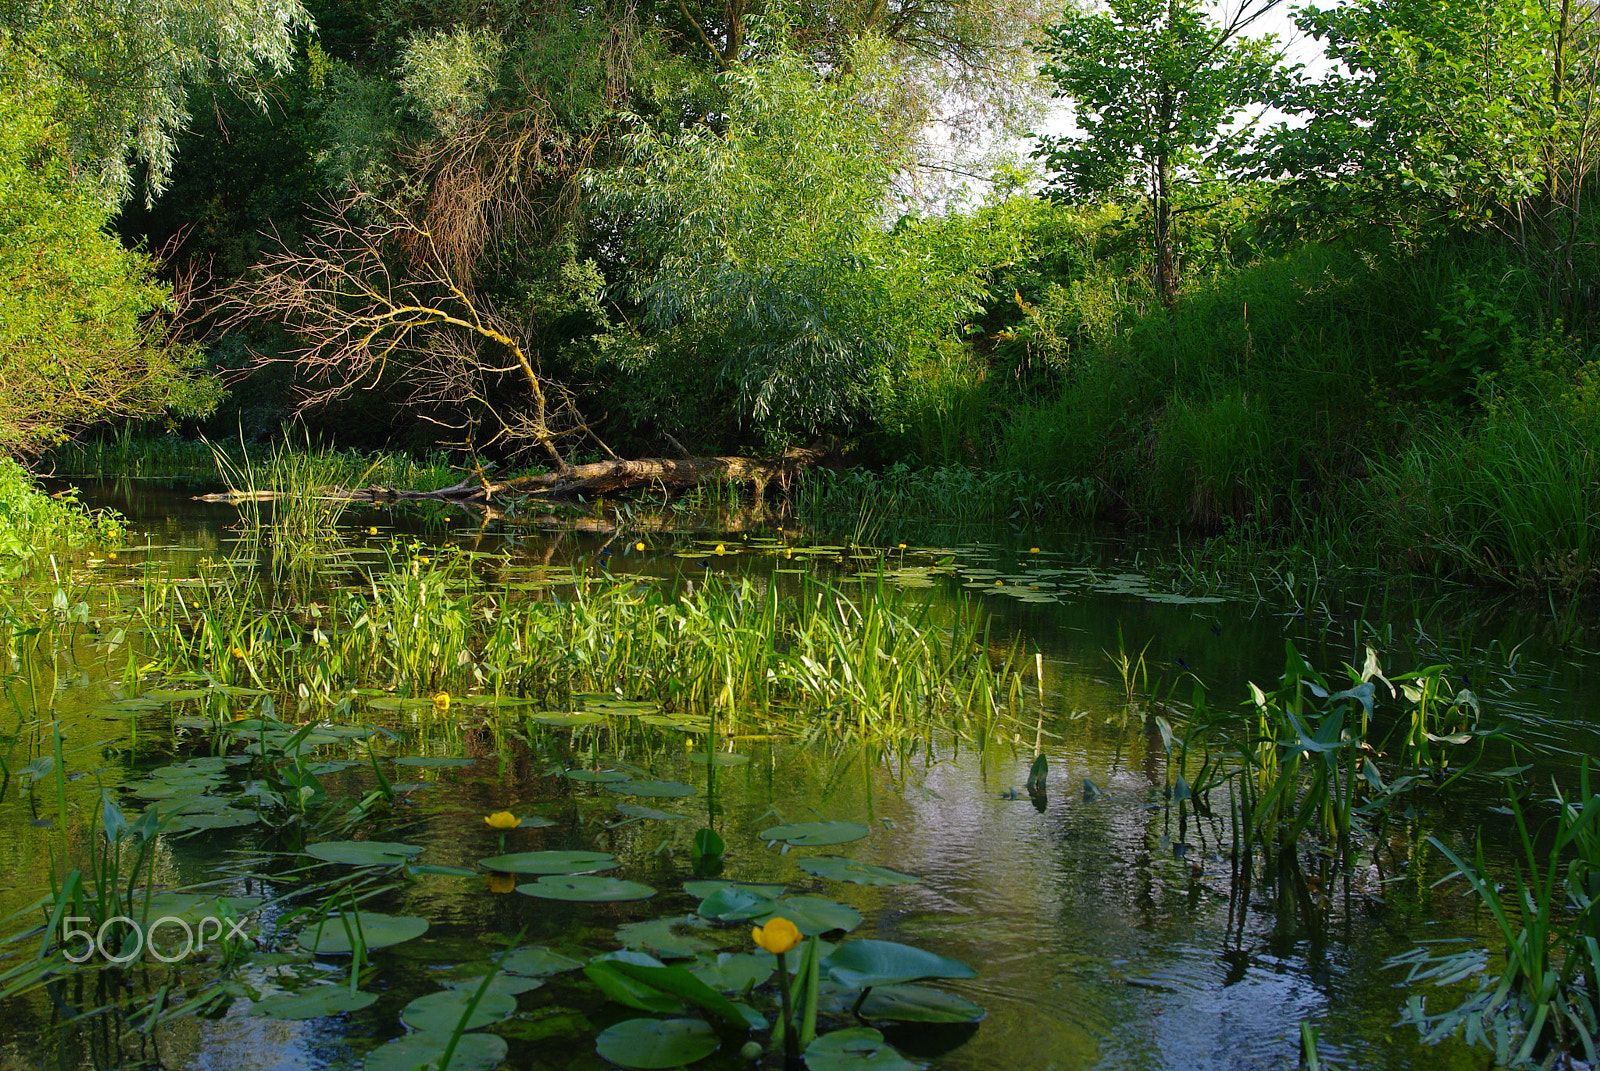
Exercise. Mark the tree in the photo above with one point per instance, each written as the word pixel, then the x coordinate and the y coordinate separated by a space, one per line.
pixel 83 323
pixel 1157 88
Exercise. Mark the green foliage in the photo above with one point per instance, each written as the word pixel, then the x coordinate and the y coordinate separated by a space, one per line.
pixel 33 523
pixel 81 321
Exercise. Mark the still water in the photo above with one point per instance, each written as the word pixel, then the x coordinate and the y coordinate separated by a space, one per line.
pixel 1101 938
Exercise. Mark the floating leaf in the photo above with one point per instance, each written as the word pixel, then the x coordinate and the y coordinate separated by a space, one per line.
pixel 375 930
pixel 639 810
pixel 537 961
pixel 679 983
pixel 589 890
pixel 731 903
pixel 363 852
pixel 313 1003
pixel 657 937
pixel 653 1043
pixel 705 888
pixel 422 1051
pixel 444 1009
pixel 566 721
pixel 597 776
pixel 840 869
pixel 511 984
pixel 223 818
pixel 718 758
pixel 859 964
pixel 733 972
pixel 433 761
pixel 650 788
pixel 918 1004
pixel 859 1048
pixel 557 862
pixel 628 991
pixel 816 834
pixel 445 871
pixel 814 915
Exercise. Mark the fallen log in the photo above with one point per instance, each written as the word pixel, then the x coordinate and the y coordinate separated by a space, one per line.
pixel 610 477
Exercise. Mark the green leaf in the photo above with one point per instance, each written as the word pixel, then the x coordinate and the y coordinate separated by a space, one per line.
pixel 658 938
pixel 661 789
pixel 555 862
pixel 536 961
pixel 733 972
pixel 375 930
pixel 814 915
pixel 657 1043
pixel 918 1004
pixel 433 761
pixel 858 964
pixel 839 869
pixel 313 1003
pixel 422 1051
pixel 590 890
pixel 443 1010
pixel 816 834
pixel 859 1048
pixel 731 904
pixel 363 852
pixel 680 983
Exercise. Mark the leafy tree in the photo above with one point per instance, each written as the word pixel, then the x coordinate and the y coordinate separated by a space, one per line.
pixel 119 70
pixel 82 321
pixel 1157 88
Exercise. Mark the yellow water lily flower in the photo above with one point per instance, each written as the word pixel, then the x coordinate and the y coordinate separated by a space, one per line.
pixel 373 530
pixel 778 936
pixel 441 702
pixel 721 549
pixel 902 546
pixel 1033 550
pixel 502 883
pixel 502 820
pixel 639 545
pixel 111 555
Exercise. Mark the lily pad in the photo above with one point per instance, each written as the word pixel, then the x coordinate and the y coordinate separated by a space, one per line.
pixel 558 862
pixel 363 852
pixel 731 904
pixel 657 937
pixel 858 1048
pixel 706 887
pixel 840 869
pixel 859 964
pixel 433 761
pixel 918 1004
pixel 511 984
pixel 536 961
pixel 816 834
pixel 718 758
pixel 650 788
pixel 653 1043
pixel 733 972
pixel 422 1050
pixel 587 889
pixel 376 931
pixel 814 915
pixel 566 721
pixel 597 776
pixel 639 810
pixel 444 1009
pixel 313 1003
pixel 221 818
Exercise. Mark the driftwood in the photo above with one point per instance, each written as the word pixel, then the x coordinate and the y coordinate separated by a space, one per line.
pixel 599 478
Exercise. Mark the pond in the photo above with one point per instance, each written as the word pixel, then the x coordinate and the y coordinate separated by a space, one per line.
pixel 841 731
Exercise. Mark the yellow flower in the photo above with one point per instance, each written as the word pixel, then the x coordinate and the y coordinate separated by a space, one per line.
pixel 441 702
pixel 111 555
pixel 902 546
pixel 1033 550
pixel 777 936
pixel 238 652
pixel 721 549
pixel 502 820
pixel 502 883
pixel 372 530
pixel 998 583
pixel 639 545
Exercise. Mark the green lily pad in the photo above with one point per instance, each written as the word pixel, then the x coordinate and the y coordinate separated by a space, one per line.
pixel 313 1003
pixel 730 904
pixel 859 964
pixel 444 871
pixel 566 721
pixel 433 761
pixel 918 1004
pixel 639 810
pixel 597 776
pixel 222 818
pixel 562 862
pixel 816 834
pixel 649 788
pixel 718 758
pixel 733 972
pixel 444 1009
pixel 510 984
pixel 587 889
pixel 363 852
pixel 657 937
pixel 376 930
pixel 814 915
pixel 840 869
pixel 858 1048
pixel 422 1050
pixel 654 1043
pixel 536 961
pixel 706 887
